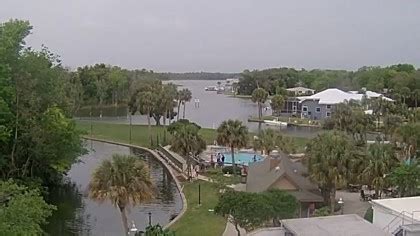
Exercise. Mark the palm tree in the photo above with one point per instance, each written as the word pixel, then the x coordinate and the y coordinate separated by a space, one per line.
pixel 268 140
pixel 187 95
pixel 234 134
pixel 409 136
pixel 277 103
pixel 186 140
pixel 259 96
pixel 405 93
pixel 124 181
pixel 330 162
pixel 379 163
pixel 168 97
pixel 416 96
pixel 184 96
pixel 146 103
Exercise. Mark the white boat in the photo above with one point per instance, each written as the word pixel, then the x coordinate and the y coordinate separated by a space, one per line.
pixel 275 122
pixel 210 88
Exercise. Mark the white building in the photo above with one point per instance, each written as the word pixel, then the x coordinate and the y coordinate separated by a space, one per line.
pixel 398 216
pixel 299 91
pixel 337 225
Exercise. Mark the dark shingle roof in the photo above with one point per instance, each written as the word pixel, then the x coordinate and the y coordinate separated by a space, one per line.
pixel 262 175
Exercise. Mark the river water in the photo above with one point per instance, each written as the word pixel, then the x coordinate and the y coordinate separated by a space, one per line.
pixel 213 109
pixel 79 215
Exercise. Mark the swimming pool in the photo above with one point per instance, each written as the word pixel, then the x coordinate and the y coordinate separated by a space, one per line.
pixel 241 158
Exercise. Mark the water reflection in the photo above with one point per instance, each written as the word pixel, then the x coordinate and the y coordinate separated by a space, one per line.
pixel 214 108
pixel 78 215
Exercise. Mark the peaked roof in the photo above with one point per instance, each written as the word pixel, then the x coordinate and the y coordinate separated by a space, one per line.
pixel 333 96
pixel 299 89
pixel 262 175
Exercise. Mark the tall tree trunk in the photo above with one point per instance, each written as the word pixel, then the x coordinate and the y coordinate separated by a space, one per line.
pixel 130 126
pixel 12 155
pixel 232 149
pixel 124 219
pixel 237 229
pixel 149 126
pixel 179 106
pixel 183 113
pixel 164 118
pixel 332 200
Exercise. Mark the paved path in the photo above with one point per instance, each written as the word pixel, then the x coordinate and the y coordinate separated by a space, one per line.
pixel 352 203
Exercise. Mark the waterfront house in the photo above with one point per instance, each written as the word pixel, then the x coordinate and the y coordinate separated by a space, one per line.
pixel 321 105
pixel 280 172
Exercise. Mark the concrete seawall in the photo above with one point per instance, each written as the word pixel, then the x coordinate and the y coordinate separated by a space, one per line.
pixel 163 162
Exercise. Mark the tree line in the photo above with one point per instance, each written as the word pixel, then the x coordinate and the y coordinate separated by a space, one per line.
pixel 401 81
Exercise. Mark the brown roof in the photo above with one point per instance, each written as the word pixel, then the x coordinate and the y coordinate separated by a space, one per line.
pixel 262 175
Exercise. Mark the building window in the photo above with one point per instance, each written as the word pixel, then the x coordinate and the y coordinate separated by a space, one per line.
pixel 304 108
pixel 328 114
pixel 328 106
pixel 318 109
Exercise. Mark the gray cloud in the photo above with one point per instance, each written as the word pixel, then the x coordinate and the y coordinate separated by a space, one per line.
pixel 197 35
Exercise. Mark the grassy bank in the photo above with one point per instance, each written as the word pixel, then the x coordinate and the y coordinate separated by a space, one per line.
pixel 198 220
pixel 140 135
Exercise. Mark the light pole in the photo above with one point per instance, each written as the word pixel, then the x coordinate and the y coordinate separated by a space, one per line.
pixel 150 218
pixel 341 203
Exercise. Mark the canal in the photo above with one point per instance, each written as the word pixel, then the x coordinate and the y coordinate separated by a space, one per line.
pixel 79 215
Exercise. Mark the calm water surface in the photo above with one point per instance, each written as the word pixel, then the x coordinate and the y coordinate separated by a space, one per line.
pixel 213 109
pixel 78 215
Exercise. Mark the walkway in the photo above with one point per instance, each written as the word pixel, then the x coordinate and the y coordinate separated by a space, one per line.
pixel 352 203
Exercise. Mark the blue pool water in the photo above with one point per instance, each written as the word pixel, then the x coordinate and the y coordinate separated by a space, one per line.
pixel 242 158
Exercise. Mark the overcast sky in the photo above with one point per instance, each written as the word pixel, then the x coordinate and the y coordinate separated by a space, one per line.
pixel 224 35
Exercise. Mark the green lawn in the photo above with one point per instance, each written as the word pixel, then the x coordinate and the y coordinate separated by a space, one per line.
pixel 140 136
pixel 139 133
pixel 198 220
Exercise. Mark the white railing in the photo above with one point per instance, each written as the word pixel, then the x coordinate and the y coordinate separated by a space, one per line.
pixel 400 220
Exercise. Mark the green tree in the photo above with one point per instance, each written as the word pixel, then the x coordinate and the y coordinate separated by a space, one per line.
pixel 38 139
pixel 277 103
pixel 146 103
pixel 157 230
pixel 379 162
pixel 22 210
pixel 124 181
pixel 259 96
pixel 323 211
pixel 407 178
pixel 408 135
pixel 391 123
pixel 404 92
pixel 186 140
pixel 247 210
pixel 184 96
pixel 282 205
pixel 416 96
pixel 168 97
pixel 268 140
pixel 330 163
pixel 234 134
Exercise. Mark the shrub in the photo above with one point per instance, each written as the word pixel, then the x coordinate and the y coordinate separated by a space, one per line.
pixel 369 215
pixel 229 170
